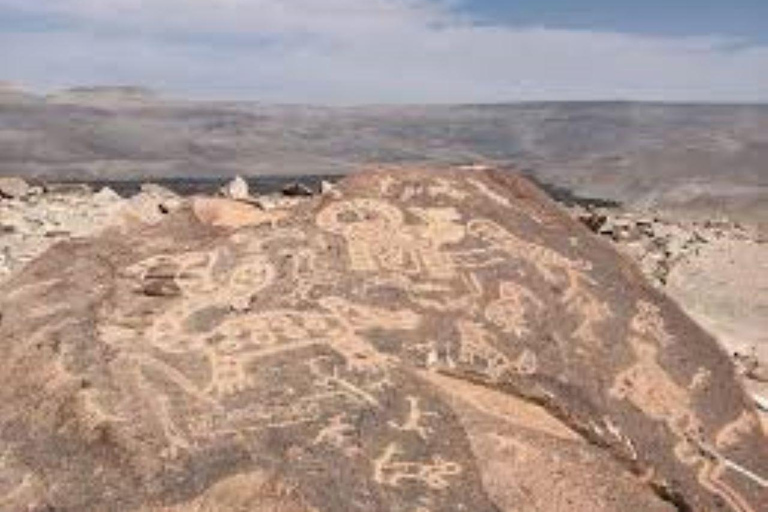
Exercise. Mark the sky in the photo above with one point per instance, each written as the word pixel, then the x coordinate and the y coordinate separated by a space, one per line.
pixel 394 51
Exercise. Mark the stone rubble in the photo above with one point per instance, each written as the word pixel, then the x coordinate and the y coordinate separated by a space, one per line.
pixel 32 222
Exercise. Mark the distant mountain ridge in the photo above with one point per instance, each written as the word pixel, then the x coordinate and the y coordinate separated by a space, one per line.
pixel 687 156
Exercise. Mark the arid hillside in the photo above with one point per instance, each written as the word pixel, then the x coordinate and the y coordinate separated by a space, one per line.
pixel 690 158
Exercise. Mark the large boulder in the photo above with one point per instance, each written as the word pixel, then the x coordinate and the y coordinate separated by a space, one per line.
pixel 417 341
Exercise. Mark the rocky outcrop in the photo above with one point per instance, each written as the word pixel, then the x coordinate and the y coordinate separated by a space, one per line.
pixel 416 341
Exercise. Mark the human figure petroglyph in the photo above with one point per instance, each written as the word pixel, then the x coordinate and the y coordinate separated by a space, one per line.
pixel 378 239
pixel 414 421
pixel 388 470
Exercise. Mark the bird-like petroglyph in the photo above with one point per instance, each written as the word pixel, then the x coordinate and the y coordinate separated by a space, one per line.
pixel 391 469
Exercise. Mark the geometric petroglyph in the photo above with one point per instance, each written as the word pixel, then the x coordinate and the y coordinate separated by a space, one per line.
pixel 389 469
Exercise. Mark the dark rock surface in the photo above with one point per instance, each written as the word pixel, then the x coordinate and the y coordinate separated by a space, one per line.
pixel 414 341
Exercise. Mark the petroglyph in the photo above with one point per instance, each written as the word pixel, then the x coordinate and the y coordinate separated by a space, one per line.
pixel 527 363
pixel 477 351
pixel 338 434
pixel 591 312
pixel 701 379
pixel 731 434
pixel 509 311
pixel 253 337
pixel 555 269
pixel 489 193
pixel 388 470
pixel 649 387
pixel 432 188
pixel 378 239
pixel 547 261
pixel 414 422
pixel 333 381
pixel 499 199
pixel 649 322
pixel 374 351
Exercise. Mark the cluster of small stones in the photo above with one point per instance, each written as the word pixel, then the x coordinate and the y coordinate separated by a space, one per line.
pixel 33 218
pixel 659 242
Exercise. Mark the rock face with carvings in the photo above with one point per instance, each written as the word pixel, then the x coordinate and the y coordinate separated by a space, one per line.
pixel 416 341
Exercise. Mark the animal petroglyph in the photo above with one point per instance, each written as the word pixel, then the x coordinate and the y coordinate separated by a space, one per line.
pixel 390 470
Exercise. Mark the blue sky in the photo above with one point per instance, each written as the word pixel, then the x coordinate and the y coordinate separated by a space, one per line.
pixel 394 51
pixel 741 18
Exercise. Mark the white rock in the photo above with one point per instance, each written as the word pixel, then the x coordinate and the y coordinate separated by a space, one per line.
pixel 13 188
pixel 236 189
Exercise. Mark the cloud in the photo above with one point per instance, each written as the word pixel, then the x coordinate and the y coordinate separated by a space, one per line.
pixel 363 51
